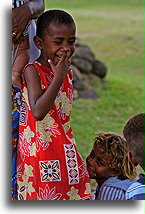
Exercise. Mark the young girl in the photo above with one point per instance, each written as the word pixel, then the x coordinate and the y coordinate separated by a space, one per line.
pixel 49 166
pixel 109 166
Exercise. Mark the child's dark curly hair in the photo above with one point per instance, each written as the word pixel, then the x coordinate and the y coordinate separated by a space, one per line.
pixel 115 146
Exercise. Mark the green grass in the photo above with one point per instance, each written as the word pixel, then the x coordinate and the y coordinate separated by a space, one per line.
pixel 66 4
pixel 114 31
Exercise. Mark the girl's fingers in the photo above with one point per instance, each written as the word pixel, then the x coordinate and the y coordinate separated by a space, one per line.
pixel 68 54
pixel 62 59
pixel 51 64
pixel 63 64
pixel 67 61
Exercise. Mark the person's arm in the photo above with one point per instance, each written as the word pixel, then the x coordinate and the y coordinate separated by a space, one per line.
pixel 21 50
pixel 23 14
pixel 21 60
pixel 40 101
pixel 36 7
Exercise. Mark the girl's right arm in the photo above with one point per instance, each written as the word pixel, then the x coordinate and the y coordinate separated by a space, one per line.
pixel 40 101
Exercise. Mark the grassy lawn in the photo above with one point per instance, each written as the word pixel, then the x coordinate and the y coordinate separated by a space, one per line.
pixel 114 31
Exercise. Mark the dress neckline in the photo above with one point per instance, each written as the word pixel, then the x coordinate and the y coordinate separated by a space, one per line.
pixel 39 63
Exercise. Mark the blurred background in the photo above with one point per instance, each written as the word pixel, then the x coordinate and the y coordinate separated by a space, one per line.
pixel 113 30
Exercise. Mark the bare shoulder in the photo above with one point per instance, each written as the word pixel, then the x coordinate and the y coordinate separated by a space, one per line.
pixel 30 68
pixel 33 83
pixel 31 73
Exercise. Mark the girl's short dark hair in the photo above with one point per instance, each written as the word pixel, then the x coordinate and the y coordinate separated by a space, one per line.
pixel 56 16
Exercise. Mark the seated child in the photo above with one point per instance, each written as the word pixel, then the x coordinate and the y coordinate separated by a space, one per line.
pixel 134 133
pixel 108 164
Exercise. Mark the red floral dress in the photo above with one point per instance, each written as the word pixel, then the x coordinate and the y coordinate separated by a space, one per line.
pixel 49 166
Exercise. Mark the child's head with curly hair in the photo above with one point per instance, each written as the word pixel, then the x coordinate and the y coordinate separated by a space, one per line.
pixel 108 158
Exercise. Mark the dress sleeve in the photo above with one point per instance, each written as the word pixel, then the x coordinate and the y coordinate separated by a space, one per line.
pixel 110 193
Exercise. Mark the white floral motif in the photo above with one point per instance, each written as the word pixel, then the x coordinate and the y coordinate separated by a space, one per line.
pixel 63 105
pixel 69 133
pixel 49 77
pixel 45 130
pixel 88 188
pixel 32 149
pixel 19 173
pixel 48 194
pixel 24 186
pixel 73 194
pixel 25 95
pixel 23 146
pixel 28 134
pixel 70 78
pixel 28 170
pixel 25 142
pixel 66 127
pixel 70 95
pixel 83 170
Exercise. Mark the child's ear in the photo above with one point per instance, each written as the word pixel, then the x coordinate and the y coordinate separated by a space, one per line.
pixel 131 159
pixel 38 42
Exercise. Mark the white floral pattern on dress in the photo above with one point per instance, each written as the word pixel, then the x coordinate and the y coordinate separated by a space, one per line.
pixel 48 194
pixel 23 146
pixel 25 142
pixel 88 188
pixel 28 134
pixel 25 95
pixel 63 105
pixel 45 130
pixel 24 186
pixel 73 194
pixel 68 132
pixel 83 170
pixel 32 149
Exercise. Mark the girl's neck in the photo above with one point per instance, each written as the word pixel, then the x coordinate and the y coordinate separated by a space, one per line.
pixel 43 60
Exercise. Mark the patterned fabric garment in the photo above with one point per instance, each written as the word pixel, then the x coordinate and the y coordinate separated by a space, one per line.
pixel 17 3
pixel 113 189
pixel 49 165
pixel 136 191
pixel 16 101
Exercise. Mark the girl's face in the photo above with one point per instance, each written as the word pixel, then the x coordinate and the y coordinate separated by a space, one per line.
pixel 98 166
pixel 57 39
